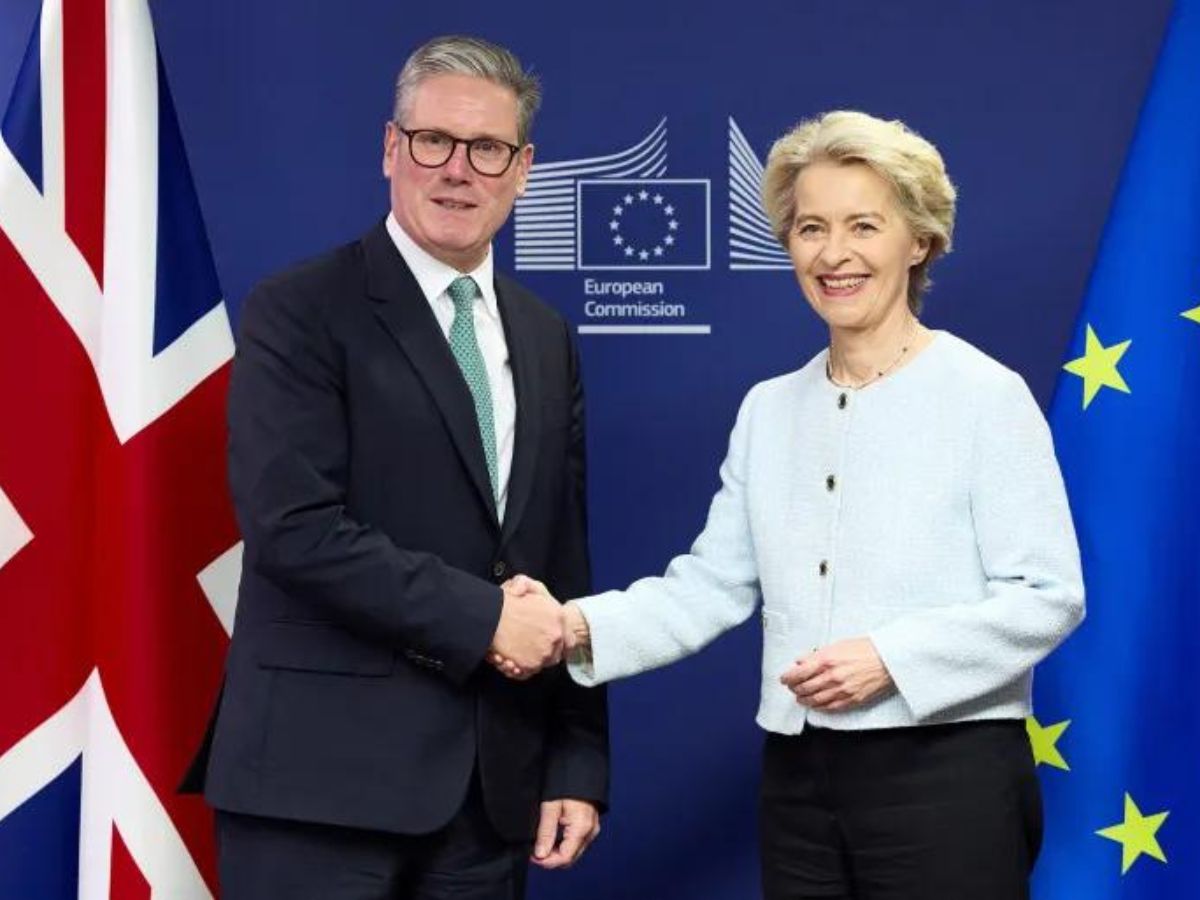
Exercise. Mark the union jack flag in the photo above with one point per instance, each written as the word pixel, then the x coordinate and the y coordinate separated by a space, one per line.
pixel 119 553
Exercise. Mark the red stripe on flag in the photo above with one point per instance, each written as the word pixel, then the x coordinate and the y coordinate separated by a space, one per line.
pixel 85 79
pixel 126 881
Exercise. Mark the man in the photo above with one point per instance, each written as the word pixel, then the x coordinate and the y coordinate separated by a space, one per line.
pixel 406 431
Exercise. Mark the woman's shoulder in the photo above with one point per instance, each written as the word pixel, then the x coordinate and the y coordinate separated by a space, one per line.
pixel 789 386
pixel 962 364
pixel 996 396
pixel 808 376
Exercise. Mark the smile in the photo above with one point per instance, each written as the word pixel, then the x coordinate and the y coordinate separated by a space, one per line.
pixel 841 285
pixel 455 205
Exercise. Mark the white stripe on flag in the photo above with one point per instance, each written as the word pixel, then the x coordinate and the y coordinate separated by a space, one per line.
pixel 54 178
pixel 14 533
pixel 219 581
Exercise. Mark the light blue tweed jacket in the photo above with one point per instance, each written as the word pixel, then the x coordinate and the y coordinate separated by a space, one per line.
pixel 925 511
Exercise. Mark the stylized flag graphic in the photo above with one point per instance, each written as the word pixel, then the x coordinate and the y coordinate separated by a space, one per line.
pixel 544 220
pixel 643 224
pixel 751 243
pixel 1118 707
pixel 117 539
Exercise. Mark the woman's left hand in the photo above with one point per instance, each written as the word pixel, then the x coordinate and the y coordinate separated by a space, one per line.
pixel 841 676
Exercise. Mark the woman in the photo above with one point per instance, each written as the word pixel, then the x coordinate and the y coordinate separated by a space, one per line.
pixel 897 505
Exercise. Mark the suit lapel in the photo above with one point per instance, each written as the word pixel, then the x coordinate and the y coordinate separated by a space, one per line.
pixel 523 356
pixel 404 311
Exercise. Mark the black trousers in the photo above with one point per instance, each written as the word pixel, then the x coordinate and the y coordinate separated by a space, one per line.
pixel 259 858
pixel 940 812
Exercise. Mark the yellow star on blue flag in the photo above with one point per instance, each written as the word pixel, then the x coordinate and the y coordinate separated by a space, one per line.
pixel 1136 835
pixel 1098 367
pixel 1043 740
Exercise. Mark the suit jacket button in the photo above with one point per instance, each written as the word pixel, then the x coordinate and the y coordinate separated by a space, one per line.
pixel 499 570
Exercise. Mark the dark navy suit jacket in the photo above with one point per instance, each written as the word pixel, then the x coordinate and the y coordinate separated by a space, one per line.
pixel 356 691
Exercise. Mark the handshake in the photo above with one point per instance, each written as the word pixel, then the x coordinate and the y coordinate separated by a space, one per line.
pixel 535 630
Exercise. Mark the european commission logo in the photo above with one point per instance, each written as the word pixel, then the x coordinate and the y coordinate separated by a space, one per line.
pixel 653 224
pixel 620 212
pixel 614 212
pixel 635 236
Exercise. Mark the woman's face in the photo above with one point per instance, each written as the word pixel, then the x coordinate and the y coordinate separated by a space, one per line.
pixel 850 245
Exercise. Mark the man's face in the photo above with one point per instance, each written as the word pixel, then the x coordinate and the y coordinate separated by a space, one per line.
pixel 453 211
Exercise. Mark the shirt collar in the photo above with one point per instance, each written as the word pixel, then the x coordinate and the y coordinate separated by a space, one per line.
pixel 434 276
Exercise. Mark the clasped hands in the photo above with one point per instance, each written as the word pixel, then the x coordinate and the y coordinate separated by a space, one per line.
pixel 535 630
pixel 840 676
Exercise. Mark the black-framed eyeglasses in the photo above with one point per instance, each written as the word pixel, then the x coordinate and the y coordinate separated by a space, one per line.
pixel 431 148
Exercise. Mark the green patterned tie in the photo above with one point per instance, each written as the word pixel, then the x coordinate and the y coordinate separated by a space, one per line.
pixel 463 291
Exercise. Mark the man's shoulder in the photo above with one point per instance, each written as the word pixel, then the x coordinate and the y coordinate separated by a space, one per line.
pixel 314 289
pixel 340 267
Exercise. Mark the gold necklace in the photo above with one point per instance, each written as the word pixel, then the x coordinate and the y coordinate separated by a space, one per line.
pixel 879 373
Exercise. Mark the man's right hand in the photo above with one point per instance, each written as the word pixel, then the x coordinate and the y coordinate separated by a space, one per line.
pixel 530 634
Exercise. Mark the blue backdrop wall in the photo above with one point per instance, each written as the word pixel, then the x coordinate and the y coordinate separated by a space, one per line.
pixel 282 105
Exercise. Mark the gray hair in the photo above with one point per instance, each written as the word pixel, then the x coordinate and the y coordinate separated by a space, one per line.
pixel 458 54
pixel 906 161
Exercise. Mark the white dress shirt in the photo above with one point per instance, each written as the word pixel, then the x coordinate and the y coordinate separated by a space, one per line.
pixel 434 277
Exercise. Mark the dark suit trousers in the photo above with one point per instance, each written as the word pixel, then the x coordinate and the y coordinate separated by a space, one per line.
pixel 938 812
pixel 262 858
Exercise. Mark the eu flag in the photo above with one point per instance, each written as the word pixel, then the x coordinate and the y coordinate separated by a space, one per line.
pixel 1117 726
pixel 660 223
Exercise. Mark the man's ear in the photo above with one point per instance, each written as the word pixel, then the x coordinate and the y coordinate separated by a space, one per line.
pixel 391 137
pixel 524 163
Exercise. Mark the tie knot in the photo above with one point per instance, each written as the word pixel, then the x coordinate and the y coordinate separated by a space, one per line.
pixel 463 290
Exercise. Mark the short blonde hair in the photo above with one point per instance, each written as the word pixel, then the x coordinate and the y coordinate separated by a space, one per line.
pixel 905 160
